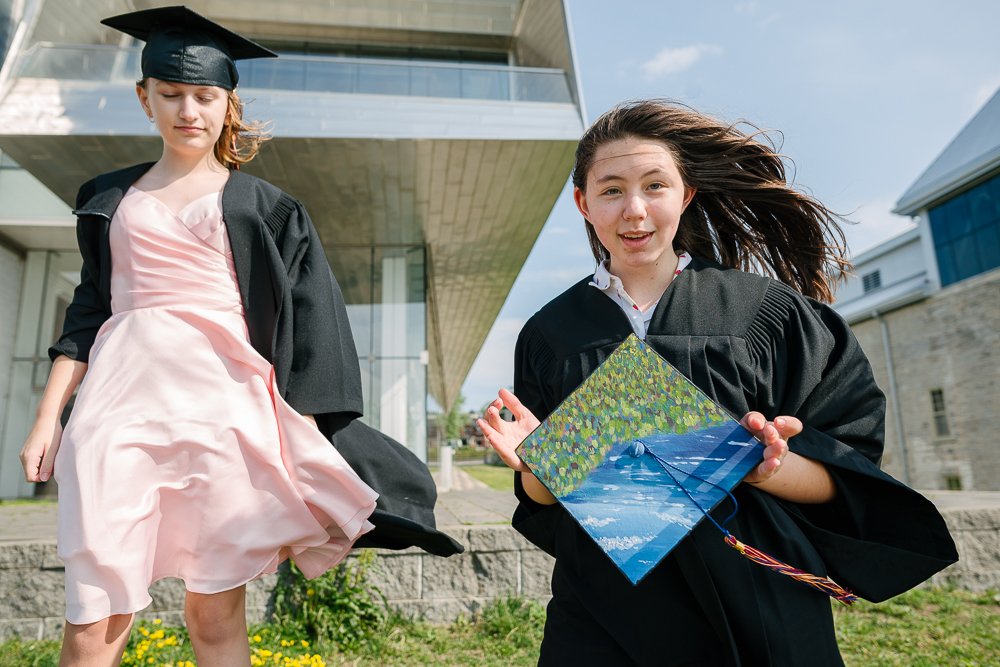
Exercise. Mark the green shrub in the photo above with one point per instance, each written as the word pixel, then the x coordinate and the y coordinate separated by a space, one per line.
pixel 17 653
pixel 340 607
pixel 516 622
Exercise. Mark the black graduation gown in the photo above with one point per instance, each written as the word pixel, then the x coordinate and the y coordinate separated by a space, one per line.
pixel 750 343
pixel 296 319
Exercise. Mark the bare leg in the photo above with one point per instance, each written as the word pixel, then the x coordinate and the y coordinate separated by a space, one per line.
pixel 217 624
pixel 95 644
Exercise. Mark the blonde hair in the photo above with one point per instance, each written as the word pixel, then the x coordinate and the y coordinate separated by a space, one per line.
pixel 240 140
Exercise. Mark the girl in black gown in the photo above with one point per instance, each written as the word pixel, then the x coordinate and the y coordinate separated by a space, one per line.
pixel 683 213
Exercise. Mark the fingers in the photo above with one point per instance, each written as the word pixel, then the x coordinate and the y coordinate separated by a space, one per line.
pixel 494 419
pixel 788 427
pixel 512 402
pixel 31 461
pixel 753 422
pixel 31 458
pixel 521 413
pixel 783 427
pixel 774 436
pixel 48 461
pixel 505 436
pixel 503 443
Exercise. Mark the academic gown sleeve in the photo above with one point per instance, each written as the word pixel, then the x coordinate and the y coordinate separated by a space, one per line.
pixel 537 522
pixel 316 362
pixel 86 314
pixel 878 537
pixel 318 374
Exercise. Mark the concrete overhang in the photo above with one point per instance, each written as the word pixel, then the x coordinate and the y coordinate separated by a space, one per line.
pixel 472 181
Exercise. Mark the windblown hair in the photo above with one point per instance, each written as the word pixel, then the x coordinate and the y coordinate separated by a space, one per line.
pixel 240 140
pixel 745 214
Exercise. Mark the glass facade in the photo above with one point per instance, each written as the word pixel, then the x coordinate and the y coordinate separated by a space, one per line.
pixel 966 231
pixel 329 74
pixel 384 287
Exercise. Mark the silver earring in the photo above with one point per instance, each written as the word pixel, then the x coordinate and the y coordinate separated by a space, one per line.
pixel 152 120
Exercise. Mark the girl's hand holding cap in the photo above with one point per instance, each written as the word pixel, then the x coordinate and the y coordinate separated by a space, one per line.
pixel 505 436
pixel 774 436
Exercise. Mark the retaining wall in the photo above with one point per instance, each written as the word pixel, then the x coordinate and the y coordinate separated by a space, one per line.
pixel 498 562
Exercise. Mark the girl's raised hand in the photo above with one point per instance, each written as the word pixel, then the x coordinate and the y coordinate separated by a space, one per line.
pixel 505 436
pixel 775 436
pixel 39 452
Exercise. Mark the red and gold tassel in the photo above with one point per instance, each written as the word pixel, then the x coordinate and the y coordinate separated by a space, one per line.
pixel 825 584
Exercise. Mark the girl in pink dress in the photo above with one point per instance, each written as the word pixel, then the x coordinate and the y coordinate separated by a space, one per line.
pixel 208 338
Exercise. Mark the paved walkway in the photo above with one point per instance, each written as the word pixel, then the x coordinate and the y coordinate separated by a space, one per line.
pixel 468 503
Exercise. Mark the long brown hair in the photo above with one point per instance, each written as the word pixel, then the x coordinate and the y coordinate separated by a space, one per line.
pixel 745 214
pixel 240 140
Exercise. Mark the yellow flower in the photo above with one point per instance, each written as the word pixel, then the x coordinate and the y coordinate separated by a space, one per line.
pixel 257 639
pixel 310 592
pixel 157 621
pixel 305 644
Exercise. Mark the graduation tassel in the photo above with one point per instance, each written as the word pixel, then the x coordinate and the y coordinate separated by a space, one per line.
pixel 824 584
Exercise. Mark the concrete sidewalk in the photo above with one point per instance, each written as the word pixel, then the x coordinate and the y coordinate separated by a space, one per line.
pixel 468 503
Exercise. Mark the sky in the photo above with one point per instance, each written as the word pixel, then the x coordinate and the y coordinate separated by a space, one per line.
pixel 865 95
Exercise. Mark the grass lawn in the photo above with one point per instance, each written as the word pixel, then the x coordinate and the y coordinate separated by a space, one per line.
pixel 921 628
pixel 500 478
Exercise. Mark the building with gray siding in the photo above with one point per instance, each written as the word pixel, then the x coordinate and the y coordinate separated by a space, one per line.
pixel 926 307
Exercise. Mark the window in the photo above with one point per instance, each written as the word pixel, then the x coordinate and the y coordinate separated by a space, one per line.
pixel 938 409
pixel 871 281
pixel 7 163
pixel 966 232
pixel 953 482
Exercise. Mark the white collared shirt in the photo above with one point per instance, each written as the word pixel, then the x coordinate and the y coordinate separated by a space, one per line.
pixel 612 285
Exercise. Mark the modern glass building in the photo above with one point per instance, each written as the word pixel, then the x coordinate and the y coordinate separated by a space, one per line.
pixel 428 141
pixel 966 230
pixel 956 201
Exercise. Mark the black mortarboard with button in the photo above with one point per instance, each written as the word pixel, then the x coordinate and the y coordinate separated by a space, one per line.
pixel 185 47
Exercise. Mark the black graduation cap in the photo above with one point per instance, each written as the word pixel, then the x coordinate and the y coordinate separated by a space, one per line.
pixel 185 47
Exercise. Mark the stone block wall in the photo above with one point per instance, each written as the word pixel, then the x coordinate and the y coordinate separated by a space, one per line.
pixel 949 341
pixel 977 535
pixel 498 562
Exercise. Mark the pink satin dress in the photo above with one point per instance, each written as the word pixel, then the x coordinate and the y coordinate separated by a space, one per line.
pixel 180 458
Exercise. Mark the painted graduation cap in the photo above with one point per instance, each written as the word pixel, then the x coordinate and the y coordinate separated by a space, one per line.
pixel 639 456
pixel 185 47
